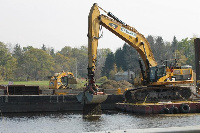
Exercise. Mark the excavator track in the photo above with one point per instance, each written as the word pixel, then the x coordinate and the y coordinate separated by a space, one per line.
pixel 158 94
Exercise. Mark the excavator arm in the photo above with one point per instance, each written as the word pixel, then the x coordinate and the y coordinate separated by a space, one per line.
pixel 127 33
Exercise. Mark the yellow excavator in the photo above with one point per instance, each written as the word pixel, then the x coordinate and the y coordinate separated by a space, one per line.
pixel 158 80
pixel 62 80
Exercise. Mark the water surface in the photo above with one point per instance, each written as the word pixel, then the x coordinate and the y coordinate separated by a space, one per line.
pixel 74 122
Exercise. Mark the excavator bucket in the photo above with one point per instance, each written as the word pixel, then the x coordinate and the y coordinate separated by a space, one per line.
pixel 88 98
pixel 72 81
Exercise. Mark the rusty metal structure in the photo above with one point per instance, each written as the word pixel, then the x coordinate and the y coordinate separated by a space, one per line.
pixel 19 90
pixel 197 60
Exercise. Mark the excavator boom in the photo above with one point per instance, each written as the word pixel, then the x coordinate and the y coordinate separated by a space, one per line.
pixel 120 29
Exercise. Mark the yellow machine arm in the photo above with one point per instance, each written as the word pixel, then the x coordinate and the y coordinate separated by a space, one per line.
pixel 120 29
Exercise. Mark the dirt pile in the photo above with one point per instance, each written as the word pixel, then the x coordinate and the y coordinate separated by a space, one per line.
pixel 112 84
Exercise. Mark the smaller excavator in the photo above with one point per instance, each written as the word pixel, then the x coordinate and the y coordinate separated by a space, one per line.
pixel 62 80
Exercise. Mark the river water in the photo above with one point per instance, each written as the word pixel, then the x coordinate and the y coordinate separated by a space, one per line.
pixel 75 123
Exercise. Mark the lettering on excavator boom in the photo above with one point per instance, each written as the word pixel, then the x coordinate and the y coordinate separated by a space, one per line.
pixel 128 32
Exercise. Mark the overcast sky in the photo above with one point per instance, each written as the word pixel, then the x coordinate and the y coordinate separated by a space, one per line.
pixel 59 23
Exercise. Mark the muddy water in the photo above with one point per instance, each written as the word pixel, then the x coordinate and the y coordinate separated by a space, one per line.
pixel 74 122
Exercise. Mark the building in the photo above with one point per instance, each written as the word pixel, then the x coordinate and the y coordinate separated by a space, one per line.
pixel 124 76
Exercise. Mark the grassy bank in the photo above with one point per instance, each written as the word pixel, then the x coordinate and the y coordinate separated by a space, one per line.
pixel 44 84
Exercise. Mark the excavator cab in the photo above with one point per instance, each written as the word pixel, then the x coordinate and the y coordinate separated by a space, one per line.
pixel 156 73
pixel 153 74
pixel 64 80
pixel 161 71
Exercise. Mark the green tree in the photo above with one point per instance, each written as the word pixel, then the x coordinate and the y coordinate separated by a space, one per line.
pixel 17 52
pixel 61 63
pixel 52 52
pixel 168 51
pixel 186 48
pixel 7 63
pixel 152 44
pixel 119 58
pixel 78 59
pixel 151 40
pixel 109 64
pixel 101 58
pixel 130 58
pixel 81 60
pixel 66 51
pixel 113 72
pixel 10 68
pixel 126 58
pixel 44 47
pixel 38 64
pixel 159 49
pixel 19 55
pixel 174 46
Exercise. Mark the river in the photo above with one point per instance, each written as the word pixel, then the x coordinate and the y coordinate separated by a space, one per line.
pixel 74 122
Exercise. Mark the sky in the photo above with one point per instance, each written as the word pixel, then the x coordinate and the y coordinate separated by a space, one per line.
pixel 60 23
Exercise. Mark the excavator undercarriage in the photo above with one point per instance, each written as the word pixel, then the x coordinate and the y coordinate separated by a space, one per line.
pixel 158 94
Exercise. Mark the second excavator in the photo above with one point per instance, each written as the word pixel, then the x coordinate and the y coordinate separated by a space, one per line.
pixel 62 80
pixel 158 81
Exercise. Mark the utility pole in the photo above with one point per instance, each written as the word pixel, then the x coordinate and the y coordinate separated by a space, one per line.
pixel 76 68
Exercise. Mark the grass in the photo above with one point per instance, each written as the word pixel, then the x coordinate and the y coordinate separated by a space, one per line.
pixel 45 84
pixel 42 84
pixel 26 82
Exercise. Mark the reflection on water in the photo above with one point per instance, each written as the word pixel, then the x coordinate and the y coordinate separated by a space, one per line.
pixel 74 122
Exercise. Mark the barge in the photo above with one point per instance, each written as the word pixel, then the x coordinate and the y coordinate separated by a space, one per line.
pixel 161 107
pixel 49 103
pixel 21 98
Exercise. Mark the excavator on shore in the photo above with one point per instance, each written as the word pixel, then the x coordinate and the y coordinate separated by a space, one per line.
pixel 158 81
pixel 62 80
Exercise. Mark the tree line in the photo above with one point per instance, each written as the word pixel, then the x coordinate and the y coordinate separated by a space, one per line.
pixel 29 63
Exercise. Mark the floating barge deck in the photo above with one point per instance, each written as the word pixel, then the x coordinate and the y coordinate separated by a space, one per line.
pixel 49 103
pixel 21 98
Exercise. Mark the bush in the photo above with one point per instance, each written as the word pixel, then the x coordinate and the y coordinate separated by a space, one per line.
pixel 102 79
